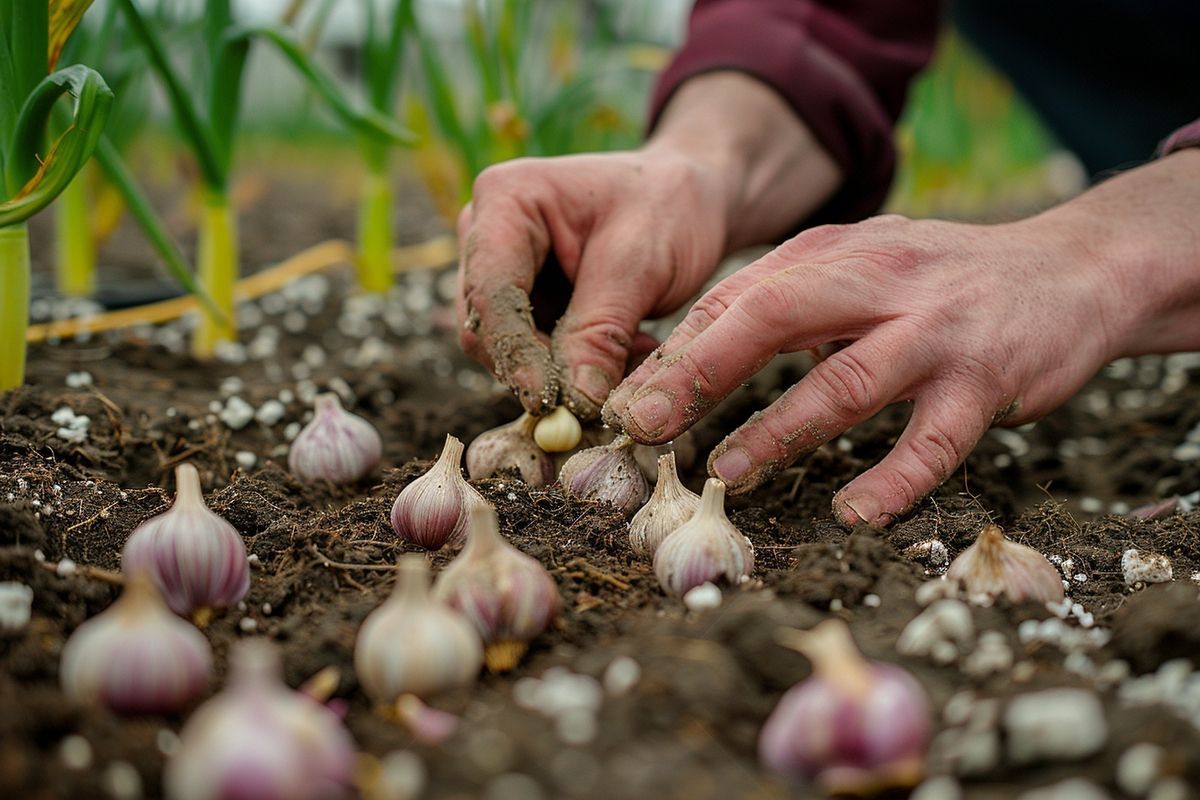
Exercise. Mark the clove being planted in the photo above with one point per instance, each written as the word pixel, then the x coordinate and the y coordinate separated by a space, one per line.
pixel 511 446
pixel 855 727
pixel 995 566
pixel 136 657
pixel 706 548
pixel 434 509
pixel 414 644
pixel 608 473
pixel 336 446
pixel 670 506
pixel 508 596
pixel 558 431
pixel 197 559
pixel 260 739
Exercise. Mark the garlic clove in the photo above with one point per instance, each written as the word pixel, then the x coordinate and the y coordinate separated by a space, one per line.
pixel 197 559
pixel 511 446
pixel 854 727
pixel 508 596
pixel 136 657
pixel 414 644
pixel 260 739
pixel 558 431
pixel 607 474
pixel 706 548
pixel 671 505
pixel 336 446
pixel 433 510
pixel 996 566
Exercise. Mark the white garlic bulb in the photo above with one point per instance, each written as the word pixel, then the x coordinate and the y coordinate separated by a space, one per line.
pixel 508 596
pixel 260 739
pixel 607 474
pixel 511 446
pixel 996 566
pixel 706 548
pixel 414 644
pixel 558 431
pixel 136 657
pixel 196 558
pixel 671 505
pixel 336 446
pixel 434 509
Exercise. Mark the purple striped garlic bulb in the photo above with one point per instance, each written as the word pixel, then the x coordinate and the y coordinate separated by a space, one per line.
pixel 336 446
pixel 136 657
pixel 414 644
pixel 707 548
pixel 433 510
pixel 511 446
pixel 197 559
pixel 608 474
pixel 854 727
pixel 996 566
pixel 671 505
pixel 260 739
pixel 508 596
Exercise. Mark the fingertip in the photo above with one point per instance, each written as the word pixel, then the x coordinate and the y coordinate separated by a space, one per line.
pixel 851 508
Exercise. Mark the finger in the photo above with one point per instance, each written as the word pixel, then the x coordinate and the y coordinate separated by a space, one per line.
pixel 505 242
pixel 945 426
pixel 843 390
pixel 467 337
pixel 796 308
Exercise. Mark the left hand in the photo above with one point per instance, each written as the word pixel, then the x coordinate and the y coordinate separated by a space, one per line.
pixel 975 324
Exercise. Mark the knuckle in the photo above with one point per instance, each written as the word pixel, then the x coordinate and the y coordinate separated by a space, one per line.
pixel 501 177
pixel 603 335
pixel 704 312
pixel 770 298
pixel 900 485
pixel 704 385
pixel 937 452
pixel 846 384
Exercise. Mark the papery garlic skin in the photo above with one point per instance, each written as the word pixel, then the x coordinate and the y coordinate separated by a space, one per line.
pixel 336 446
pixel 508 596
pixel 433 510
pixel 707 548
pixel 414 644
pixel 136 657
pixel 558 431
pixel 995 566
pixel 670 506
pixel 511 446
pixel 606 474
pixel 197 559
pixel 854 727
pixel 260 739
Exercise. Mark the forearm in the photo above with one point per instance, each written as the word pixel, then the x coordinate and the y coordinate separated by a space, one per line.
pixel 773 171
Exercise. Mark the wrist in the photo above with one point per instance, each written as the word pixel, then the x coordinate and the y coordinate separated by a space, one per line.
pixel 772 171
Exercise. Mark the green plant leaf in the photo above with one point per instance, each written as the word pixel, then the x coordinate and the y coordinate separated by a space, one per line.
pixel 41 179
pixel 64 17
pixel 23 37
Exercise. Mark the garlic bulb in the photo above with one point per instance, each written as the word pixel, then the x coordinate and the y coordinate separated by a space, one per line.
pixel 196 558
pixel 607 474
pixel 705 548
pixel 671 505
pixel 434 509
pixel 854 727
pixel 414 644
pixel 136 657
pixel 511 446
pixel 995 566
pixel 507 596
pixel 558 431
pixel 260 739
pixel 336 446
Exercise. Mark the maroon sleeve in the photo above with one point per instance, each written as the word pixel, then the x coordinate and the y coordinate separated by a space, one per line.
pixel 843 66
pixel 1187 136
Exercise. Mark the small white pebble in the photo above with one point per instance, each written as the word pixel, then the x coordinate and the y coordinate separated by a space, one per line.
pixel 1055 725
pixel 237 413
pixel 402 776
pixel 167 741
pixel 245 459
pixel 270 412
pixel 1138 768
pixel 65 568
pixel 836 604
pixel 16 604
pixel 621 675
pixel 702 597
pixel 77 380
pixel 75 752
pixel 1138 567
pixel 252 558
pixel 266 609
pixel 872 601
pixel 292 431
pixel 576 726
pixel 122 781
pixel 1091 505
pixel 248 625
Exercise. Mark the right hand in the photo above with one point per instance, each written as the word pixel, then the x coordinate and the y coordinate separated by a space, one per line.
pixel 635 233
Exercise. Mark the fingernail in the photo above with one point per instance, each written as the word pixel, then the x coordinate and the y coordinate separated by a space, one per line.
pixel 592 382
pixel 732 465
pixel 651 413
pixel 866 508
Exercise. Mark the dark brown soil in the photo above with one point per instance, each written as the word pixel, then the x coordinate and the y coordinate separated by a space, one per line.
pixel 708 680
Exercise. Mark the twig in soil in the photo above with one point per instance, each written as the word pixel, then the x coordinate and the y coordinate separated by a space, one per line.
pixel 178 458
pixel 329 562
pixel 101 514
pixel 112 411
pixel 95 573
pixel 800 473
pixel 597 574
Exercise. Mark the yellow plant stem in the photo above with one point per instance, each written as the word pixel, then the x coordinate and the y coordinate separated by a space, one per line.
pixel 75 249
pixel 14 304
pixel 374 257
pixel 217 260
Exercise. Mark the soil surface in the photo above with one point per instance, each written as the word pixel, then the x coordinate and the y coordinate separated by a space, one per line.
pixel 688 726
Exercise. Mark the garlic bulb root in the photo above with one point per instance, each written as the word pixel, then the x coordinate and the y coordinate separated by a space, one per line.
pixel 511 446
pixel 336 446
pixel 670 506
pixel 433 510
pixel 995 566
pixel 707 548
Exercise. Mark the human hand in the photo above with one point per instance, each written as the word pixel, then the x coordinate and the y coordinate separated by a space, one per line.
pixel 975 324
